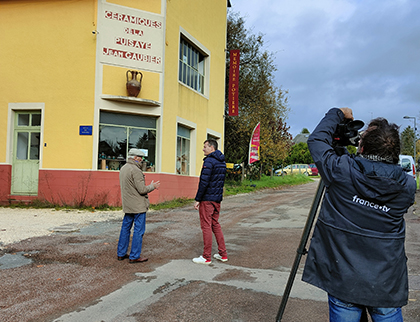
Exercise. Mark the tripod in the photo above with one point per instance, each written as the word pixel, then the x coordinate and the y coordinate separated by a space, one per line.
pixel 302 247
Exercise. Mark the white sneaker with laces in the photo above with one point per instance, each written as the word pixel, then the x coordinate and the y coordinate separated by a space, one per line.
pixel 201 260
pixel 220 258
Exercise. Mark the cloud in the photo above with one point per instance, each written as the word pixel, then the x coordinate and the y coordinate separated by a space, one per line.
pixel 361 54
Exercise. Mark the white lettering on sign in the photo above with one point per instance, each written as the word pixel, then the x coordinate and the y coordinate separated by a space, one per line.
pixel 370 204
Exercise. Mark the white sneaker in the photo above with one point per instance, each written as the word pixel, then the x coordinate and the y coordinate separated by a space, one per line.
pixel 220 258
pixel 201 260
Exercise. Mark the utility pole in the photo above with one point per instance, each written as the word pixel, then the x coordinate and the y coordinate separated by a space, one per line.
pixel 415 141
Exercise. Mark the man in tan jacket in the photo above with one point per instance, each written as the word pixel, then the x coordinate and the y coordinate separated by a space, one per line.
pixel 135 204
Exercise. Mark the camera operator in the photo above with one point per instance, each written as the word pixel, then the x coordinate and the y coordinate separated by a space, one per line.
pixel 357 250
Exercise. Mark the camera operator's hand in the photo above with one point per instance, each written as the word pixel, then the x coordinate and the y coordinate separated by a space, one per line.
pixel 348 113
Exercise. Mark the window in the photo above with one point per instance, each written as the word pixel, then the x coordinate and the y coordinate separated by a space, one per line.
pixel 191 66
pixel 212 137
pixel 118 133
pixel 183 150
pixel 28 135
pixel 405 163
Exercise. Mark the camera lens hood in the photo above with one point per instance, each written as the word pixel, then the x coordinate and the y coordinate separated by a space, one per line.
pixel 355 125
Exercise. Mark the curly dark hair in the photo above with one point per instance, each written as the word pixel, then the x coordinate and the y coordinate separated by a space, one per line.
pixel 381 139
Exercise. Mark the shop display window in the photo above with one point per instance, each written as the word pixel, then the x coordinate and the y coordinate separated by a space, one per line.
pixel 118 133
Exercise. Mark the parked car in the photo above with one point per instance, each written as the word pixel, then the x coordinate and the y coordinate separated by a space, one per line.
pixel 407 163
pixel 314 169
pixel 294 169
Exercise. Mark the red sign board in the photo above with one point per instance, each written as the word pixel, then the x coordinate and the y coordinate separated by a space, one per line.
pixel 254 145
pixel 233 82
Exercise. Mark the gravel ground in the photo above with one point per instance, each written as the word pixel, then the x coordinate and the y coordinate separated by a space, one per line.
pixel 18 224
pixel 66 263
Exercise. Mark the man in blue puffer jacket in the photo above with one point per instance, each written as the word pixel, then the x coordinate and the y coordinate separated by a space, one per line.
pixel 357 250
pixel 208 198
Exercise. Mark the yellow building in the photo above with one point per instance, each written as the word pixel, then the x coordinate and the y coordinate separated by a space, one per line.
pixel 68 113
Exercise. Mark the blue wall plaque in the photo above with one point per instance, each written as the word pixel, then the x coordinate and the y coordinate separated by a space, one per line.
pixel 85 130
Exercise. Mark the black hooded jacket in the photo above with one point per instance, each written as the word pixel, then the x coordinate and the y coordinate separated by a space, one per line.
pixel 357 250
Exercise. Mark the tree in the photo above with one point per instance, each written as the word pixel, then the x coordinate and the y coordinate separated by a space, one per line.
pixel 305 131
pixel 417 151
pixel 259 100
pixel 407 141
pixel 299 154
pixel 352 149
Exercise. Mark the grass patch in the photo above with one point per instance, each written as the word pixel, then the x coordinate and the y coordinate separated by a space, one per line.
pixel 234 187
pixel 175 203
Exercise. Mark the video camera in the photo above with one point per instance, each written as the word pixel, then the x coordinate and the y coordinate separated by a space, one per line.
pixel 347 133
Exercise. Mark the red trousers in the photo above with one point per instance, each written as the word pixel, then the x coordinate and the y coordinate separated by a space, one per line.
pixel 209 221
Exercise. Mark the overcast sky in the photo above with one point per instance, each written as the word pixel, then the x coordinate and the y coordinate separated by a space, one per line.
pixel 362 54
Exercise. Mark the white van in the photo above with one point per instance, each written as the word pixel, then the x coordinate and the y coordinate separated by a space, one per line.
pixel 407 163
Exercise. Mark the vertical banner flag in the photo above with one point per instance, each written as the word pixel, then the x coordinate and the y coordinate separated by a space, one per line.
pixel 233 82
pixel 254 145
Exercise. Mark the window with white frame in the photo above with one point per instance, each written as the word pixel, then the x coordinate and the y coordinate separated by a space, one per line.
pixel 118 133
pixel 212 137
pixel 191 66
pixel 183 141
pixel 27 128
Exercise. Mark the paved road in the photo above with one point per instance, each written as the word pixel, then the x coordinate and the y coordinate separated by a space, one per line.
pixel 73 275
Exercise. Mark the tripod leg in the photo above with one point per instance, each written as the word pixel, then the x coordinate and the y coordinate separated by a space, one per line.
pixel 364 317
pixel 302 247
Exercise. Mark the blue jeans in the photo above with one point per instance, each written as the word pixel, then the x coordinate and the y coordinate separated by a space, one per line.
pixel 341 311
pixel 139 221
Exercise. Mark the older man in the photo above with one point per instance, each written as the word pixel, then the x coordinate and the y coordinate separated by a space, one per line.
pixel 135 204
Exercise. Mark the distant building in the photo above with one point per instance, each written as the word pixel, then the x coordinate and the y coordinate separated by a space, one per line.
pixel 301 138
pixel 67 118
